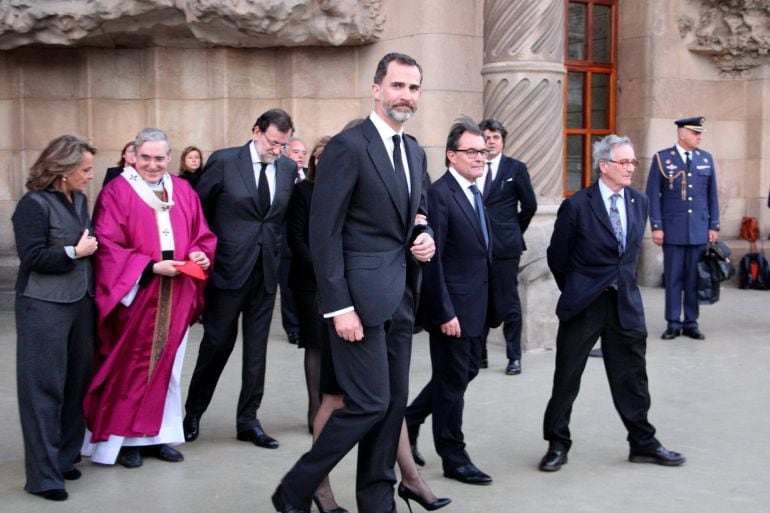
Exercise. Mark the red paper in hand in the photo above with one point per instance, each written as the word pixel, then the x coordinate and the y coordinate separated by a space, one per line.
pixel 190 268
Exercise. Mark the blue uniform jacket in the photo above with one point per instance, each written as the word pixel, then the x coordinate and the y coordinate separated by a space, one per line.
pixel 683 203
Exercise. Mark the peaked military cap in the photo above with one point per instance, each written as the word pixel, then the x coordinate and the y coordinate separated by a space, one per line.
pixel 695 123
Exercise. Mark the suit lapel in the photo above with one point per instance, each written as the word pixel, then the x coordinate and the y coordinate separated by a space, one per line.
pixel 246 170
pixel 415 177
pixel 382 164
pixel 503 173
pixel 597 205
pixel 462 201
pixel 633 216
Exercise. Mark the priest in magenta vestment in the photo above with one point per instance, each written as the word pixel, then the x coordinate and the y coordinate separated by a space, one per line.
pixel 151 225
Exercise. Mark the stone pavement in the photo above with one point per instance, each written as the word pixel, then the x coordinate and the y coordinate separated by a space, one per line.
pixel 710 400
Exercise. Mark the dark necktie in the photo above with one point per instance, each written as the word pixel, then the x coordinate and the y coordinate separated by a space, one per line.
pixel 687 160
pixel 479 206
pixel 398 166
pixel 488 181
pixel 263 191
pixel 617 226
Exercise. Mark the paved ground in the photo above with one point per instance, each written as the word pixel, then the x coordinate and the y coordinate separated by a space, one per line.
pixel 711 400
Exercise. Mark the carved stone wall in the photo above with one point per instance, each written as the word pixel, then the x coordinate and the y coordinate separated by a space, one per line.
pixel 735 33
pixel 190 23
pixel 523 89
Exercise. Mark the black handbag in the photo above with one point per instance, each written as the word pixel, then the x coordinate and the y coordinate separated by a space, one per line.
pixel 718 254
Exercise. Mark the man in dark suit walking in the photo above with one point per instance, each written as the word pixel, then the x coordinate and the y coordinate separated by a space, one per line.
pixel 510 203
pixel 366 249
pixel 244 192
pixel 684 217
pixel 454 299
pixel 593 256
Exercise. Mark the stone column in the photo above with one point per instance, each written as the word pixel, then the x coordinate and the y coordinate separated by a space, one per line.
pixel 523 89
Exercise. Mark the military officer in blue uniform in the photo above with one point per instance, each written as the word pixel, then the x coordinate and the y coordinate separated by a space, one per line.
pixel 684 217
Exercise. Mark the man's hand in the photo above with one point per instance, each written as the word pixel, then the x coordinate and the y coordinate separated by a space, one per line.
pixel 657 237
pixel 166 267
pixel 200 258
pixel 423 248
pixel 713 235
pixel 348 327
pixel 451 328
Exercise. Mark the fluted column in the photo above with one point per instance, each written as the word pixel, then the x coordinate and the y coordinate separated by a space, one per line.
pixel 523 79
pixel 523 89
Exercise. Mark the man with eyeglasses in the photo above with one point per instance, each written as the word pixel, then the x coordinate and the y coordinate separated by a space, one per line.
pixel 593 255
pixel 455 290
pixel 244 192
pixel 510 202
pixel 684 218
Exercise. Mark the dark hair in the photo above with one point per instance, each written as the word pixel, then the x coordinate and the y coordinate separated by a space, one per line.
pixel 494 126
pixel 460 126
pixel 61 156
pixel 184 154
pixel 316 153
pixel 122 161
pixel 401 58
pixel 277 117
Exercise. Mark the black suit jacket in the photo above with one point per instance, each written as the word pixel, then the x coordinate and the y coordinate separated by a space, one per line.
pixel 228 192
pixel 583 254
pixel 301 274
pixel 510 205
pixel 359 234
pixel 111 174
pixel 456 280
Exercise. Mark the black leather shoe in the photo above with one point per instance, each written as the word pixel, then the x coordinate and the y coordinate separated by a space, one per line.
pixel 280 504
pixel 258 437
pixel 553 460
pixel 191 426
pixel 130 457
pixel 660 455
pixel 321 509
pixel 71 475
pixel 56 494
pixel 406 493
pixel 693 333
pixel 468 474
pixel 165 453
pixel 670 334
pixel 513 368
pixel 418 458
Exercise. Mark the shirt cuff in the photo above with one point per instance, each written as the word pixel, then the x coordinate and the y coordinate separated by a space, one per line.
pixel 70 250
pixel 339 312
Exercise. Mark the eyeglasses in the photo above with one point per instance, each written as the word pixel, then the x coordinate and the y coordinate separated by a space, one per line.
pixel 472 153
pixel 625 163
pixel 275 144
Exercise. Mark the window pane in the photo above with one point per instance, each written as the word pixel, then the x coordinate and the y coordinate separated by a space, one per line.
pixel 600 100
pixel 602 17
pixel 576 43
pixel 575 99
pixel 574 163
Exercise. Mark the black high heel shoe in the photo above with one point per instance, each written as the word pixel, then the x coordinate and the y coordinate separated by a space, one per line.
pixel 406 494
pixel 322 510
